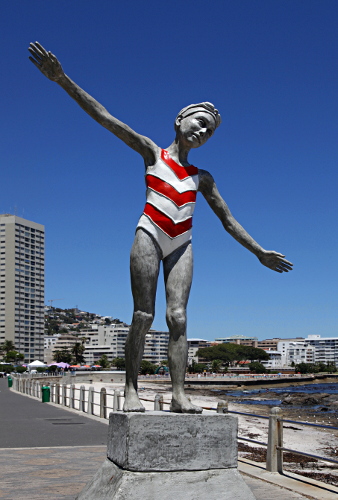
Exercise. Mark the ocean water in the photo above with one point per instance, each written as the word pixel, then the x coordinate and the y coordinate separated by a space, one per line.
pixel 328 388
pixel 306 388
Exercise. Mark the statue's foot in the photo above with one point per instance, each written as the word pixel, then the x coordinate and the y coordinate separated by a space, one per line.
pixel 132 403
pixel 181 404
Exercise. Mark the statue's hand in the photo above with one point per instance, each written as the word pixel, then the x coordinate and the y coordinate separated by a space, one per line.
pixel 46 62
pixel 275 261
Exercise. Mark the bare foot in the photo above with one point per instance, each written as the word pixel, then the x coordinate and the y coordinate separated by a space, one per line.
pixel 181 404
pixel 132 403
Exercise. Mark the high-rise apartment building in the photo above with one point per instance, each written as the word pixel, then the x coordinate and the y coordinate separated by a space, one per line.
pixel 22 280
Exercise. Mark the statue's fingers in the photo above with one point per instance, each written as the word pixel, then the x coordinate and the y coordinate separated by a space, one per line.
pixel 283 265
pixel 34 54
pixel 52 57
pixel 42 49
pixel 37 64
pixel 283 269
pixel 286 262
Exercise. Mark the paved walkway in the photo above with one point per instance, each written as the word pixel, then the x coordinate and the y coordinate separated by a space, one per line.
pixel 26 422
pixel 49 452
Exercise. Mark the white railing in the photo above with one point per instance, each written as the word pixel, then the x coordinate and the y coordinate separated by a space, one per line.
pixel 83 400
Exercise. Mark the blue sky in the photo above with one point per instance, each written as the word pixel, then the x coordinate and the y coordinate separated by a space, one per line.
pixel 270 67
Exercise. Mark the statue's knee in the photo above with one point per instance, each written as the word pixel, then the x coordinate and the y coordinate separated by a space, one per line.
pixel 176 318
pixel 141 317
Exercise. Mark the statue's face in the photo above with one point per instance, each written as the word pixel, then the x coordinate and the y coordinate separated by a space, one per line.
pixel 196 129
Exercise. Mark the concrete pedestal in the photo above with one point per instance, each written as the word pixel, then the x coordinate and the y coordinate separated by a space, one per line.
pixel 169 456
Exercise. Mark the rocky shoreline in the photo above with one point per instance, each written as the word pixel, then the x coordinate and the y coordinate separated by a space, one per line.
pixel 300 406
pixel 318 408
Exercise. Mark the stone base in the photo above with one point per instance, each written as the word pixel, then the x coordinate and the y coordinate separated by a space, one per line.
pixel 160 455
pixel 113 483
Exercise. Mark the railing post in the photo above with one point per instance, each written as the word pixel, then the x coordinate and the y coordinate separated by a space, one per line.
pixel 52 392
pixel 90 408
pixel 72 396
pixel 116 401
pixel 57 393
pixel 158 402
pixel 64 395
pixel 82 398
pixel 121 399
pixel 103 403
pixel 222 407
pixel 274 457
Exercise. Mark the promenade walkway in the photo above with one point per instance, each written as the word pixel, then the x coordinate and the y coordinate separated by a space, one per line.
pixel 49 452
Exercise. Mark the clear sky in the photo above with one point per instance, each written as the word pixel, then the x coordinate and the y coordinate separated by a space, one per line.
pixel 270 67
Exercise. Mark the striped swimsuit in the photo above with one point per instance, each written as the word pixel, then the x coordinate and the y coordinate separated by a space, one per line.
pixel 170 203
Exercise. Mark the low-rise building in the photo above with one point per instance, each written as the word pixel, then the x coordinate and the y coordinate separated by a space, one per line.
pixel 238 339
pixel 110 340
pixel 193 346
pixel 275 361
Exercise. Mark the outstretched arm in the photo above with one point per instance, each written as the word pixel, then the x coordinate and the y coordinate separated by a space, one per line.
pixel 48 64
pixel 268 258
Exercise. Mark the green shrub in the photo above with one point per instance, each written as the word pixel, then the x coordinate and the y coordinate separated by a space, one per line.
pixel 20 369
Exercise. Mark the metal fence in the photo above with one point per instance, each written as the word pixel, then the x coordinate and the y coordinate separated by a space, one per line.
pixel 83 400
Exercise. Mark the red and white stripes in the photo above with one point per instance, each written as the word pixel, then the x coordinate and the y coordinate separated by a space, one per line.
pixel 171 197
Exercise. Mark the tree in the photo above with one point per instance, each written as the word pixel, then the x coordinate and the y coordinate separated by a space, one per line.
pixel 13 357
pixel 147 367
pixel 20 369
pixel 197 367
pixel 77 350
pixel 6 368
pixel 257 367
pixel 331 367
pixel 304 368
pixel 119 363
pixel 216 365
pixel 107 321
pixel 232 353
pixel 62 356
pixel 103 362
pixel 41 369
pixel 7 346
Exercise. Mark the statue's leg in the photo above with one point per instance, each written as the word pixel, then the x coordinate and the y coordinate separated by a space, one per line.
pixel 178 276
pixel 145 261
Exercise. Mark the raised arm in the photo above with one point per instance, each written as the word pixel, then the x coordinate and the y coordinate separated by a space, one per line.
pixel 48 64
pixel 268 258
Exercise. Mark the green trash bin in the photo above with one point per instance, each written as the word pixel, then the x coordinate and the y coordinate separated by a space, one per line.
pixel 45 390
pixel 10 381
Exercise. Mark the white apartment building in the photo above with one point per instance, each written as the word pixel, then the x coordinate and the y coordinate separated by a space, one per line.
pixel 193 346
pixel 325 348
pixel 22 280
pixel 296 351
pixel 110 340
pixel 275 361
